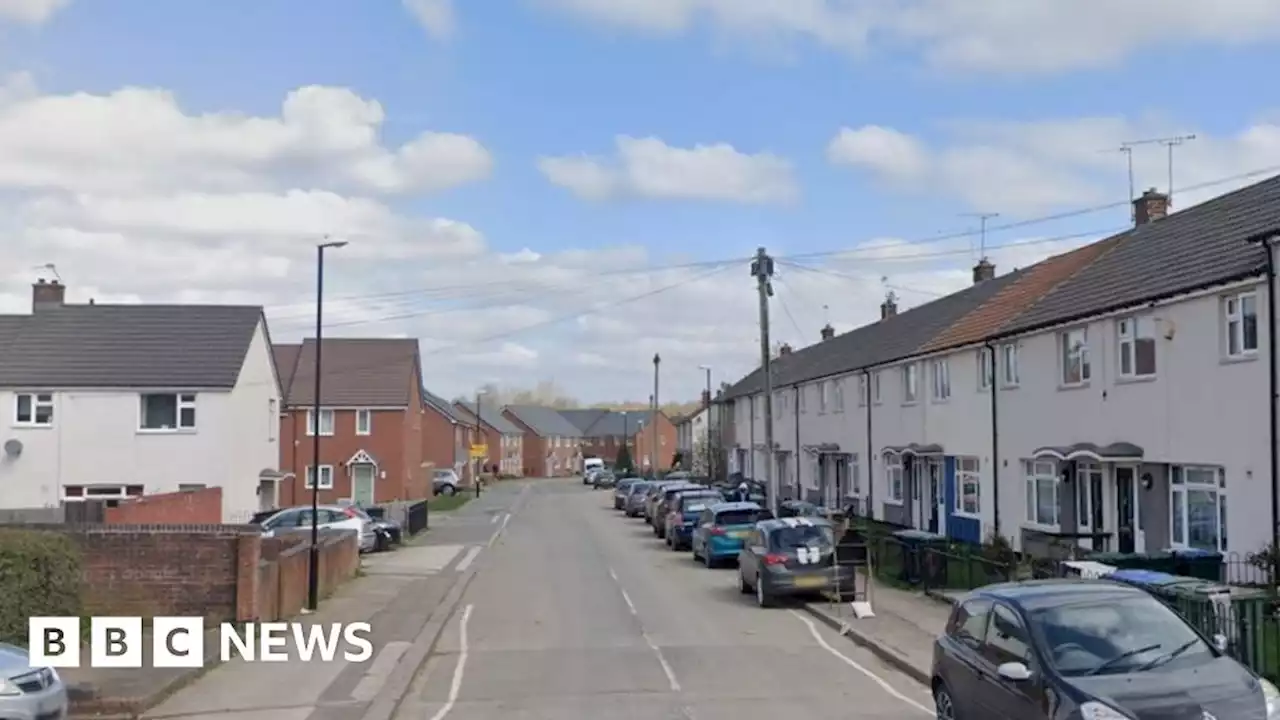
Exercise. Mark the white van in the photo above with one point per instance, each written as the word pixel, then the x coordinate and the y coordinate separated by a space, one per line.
pixel 590 465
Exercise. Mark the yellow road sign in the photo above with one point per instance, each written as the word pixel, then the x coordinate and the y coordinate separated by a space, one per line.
pixel 479 451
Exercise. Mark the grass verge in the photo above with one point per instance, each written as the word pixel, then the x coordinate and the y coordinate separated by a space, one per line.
pixel 445 503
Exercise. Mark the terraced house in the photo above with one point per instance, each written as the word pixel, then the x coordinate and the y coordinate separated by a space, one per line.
pixel 1115 396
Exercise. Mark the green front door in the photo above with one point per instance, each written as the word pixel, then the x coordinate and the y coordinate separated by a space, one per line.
pixel 362 484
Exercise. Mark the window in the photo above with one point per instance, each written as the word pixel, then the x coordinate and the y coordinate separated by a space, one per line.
pixel 837 395
pixel 862 390
pixel 1086 475
pixel 1042 492
pixel 968 623
pixel 875 387
pixel 800 394
pixel 326 477
pixel 1075 357
pixel 893 474
pixel 941 379
pixel 969 484
pixel 166 411
pixel 1007 639
pixel 364 422
pixel 273 419
pixel 824 396
pixel 1009 374
pixel 1136 345
pixel 855 478
pixel 986 369
pixel 33 409
pixel 326 422
pixel 1241 326
pixel 1198 503
pixel 910 383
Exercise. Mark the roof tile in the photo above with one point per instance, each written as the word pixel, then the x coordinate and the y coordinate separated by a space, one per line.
pixel 356 372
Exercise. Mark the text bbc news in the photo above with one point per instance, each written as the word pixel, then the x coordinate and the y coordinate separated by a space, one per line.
pixel 179 642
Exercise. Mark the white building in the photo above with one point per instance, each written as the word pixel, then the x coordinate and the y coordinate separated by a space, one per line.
pixel 1131 403
pixel 110 401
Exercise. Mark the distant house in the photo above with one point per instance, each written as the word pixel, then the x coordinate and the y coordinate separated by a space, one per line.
pixel 107 402
pixel 550 444
pixel 504 439
pixel 446 435
pixel 603 433
pixel 370 421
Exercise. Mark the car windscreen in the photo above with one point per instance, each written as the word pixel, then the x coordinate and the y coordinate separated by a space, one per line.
pixel 640 488
pixel 698 502
pixel 737 517
pixel 784 539
pixel 1116 636
pixel 441 474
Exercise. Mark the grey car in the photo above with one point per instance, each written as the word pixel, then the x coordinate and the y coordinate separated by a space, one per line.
pixel 788 557
pixel 28 693
pixel 636 498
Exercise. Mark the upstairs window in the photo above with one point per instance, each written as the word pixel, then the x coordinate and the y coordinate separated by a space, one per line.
pixel 167 411
pixel 1075 357
pixel 364 422
pixel 910 383
pixel 941 370
pixel 1136 345
pixel 875 388
pixel 862 390
pixel 33 409
pixel 1010 375
pixel 824 399
pixel 326 422
pixel 986 369
pixel 1240 323
pixel 837 395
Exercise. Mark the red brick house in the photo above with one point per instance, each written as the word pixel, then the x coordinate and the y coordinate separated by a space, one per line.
pixel 446 435
pixel 504 439
pixel 550 443
pixel 371 421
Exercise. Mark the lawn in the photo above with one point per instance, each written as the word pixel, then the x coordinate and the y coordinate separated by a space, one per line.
pixel 445 503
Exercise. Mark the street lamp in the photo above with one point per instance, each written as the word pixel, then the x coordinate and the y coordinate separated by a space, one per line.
pixel 653 419
pixel 480 433
pixel 706 441
pixel 313 564
pixel 626 442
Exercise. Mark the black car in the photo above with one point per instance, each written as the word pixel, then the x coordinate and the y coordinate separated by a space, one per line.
pixel 1092 649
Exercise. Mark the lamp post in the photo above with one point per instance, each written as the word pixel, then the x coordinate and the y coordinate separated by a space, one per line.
pixel 626 441
pixel 653 419
pixel 706 423
pixel 480 432
pixel 313 561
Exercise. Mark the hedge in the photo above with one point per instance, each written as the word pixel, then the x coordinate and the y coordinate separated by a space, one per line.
pixel 40 573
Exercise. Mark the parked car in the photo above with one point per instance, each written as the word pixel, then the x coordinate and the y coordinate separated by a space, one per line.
pixel 790 556
pixel 662 505
pixel 653 513
pixel 1058 649
pixel 621 490
pixel 389 532
pixel 798 508
pixel 330 517
pixel 603 480
pixel 720 531
pixel 29 692
pixel 590 465
pixel 685 509
pixel 639 493
pixel 445 482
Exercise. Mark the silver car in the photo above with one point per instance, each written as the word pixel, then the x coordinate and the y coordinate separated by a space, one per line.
pixel 28 693
pixel 331 517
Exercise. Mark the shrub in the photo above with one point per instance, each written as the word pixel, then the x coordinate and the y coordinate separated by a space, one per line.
pixel 41 575
pixel 996 549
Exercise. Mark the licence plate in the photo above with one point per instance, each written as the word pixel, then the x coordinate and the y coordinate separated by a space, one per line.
pixel 738 534
pixel 808 582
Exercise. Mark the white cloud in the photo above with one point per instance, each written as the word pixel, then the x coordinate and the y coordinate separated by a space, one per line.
pixel 648 167
pixel 435 16
pixel 1002 36
pixel 1037 167
pixel 30 12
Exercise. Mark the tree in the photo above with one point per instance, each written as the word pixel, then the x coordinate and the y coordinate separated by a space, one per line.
pixel 622 463
pixel 699 459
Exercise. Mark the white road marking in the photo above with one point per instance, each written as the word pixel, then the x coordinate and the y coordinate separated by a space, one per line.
pixel 469 558
pixel 630 605
pixel 506 518
pixel 657 651
pixel 376 676
pixel 455 687
pixel 493 520
pixel 884 684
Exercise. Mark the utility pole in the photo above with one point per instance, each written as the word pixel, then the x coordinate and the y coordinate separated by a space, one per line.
pixel 653 419
pixel 982 232
pixel 762 268
pixel 706 421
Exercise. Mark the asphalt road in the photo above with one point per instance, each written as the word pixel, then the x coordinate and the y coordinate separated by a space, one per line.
pixel 576 613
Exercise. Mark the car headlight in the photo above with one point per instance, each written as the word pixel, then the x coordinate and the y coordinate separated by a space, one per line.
pixel 1272 696
pixel 1099 711
pixel 8 689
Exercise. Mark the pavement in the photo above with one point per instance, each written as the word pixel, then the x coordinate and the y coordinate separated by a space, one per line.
pixel 403 594
pixel 577 613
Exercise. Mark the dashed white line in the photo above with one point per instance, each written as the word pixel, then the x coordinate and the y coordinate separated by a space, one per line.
pixel 506 518
pixel 630 605
pixel 648 639
pixel 884 684
pixel 469 558
pixel 493 520
pixel 455 687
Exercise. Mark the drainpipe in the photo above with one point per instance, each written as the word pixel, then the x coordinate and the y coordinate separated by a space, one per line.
pixel 796 403
pixel 1272 411
pixel 995 443
pixel 871 485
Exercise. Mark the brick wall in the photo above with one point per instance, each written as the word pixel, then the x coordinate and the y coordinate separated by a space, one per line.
pixel 192 507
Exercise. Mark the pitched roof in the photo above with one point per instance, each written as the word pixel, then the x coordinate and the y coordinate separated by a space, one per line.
pixel 584 418
pixel 1004 307
pixel 1202 246
pixel 492 418
pixel 616 423
pixel 355 372
pixel 444 407
pixel 136 346
pixel 544 421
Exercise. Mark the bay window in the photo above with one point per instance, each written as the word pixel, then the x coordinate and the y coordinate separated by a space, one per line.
pixel 1198 506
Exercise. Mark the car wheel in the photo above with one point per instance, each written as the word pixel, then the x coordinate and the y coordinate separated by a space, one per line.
pixel 448 490
pixel 763 598
pixel 743 587
pixel 944 707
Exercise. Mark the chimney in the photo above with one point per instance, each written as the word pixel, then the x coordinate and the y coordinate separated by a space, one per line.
pixel 1153 205
pixel 889 307
pixel 828 332
pixel 47 294
pixel 784 350
pixel 983 271
pixel 706 398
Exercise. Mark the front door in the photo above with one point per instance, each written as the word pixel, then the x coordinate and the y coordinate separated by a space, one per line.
pixel 937 499
pixel 916 484
pixel 268 490
pixel 1126 510
pixel 362 484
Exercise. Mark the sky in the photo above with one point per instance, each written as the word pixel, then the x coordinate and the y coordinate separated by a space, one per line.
pixel 556 190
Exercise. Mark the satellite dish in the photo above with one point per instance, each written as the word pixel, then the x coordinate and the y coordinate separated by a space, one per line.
pixel 12 448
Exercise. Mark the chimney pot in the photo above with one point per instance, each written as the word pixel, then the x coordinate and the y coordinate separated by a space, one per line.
pixel 828 332
pixel 889 307
pixel 1153 205
pixel 46 295
pixel 983 271
pixel 785 349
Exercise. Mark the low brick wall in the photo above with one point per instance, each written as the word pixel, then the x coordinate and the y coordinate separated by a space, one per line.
pixel 284 568
pixel 189 507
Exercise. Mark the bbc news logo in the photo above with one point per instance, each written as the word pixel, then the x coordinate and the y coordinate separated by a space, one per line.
pixel 178 642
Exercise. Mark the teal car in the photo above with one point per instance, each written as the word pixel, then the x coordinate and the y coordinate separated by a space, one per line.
pixel 721 530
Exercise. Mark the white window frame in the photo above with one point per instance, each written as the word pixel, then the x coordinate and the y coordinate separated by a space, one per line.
pixel 1084 499
pixel 1234 316
pixel 182 401
pixel 940 369
pixel 800 395
pixel 311 424
pixel 364 422
pixel 968 470
pixel 877 396
pixel 837 395
pixel 1178 484
pixel 1034 473
pixel 326 477
pixel 862 390
pixel 1129 331
pixel 35 402
pixel 1010 373
pixel 986 368
pixel 824 399
pixel 892 473
pixel 1073 347
pixel 273 419
pixel 855 480
pixel 910 384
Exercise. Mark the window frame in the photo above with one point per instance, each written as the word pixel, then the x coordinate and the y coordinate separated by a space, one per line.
pixel 993 652
pixel 311 423
pixel 1178 485
pixel 955 628
pixel 309 480
pixel 892 463
pixel 837 395
pixel 986 369
pixel 940 374
pixel 1129 333
pixel 1010 371
pixel 182 400
pixel 1034 472
pixel 35 403
pixel 1233 324
pixel 824 399
pixel 1083 496
pixel 1070 352
pixel 863 384
pixel 964 474
pixel 876 388
pixel 367 415
pixel 910 384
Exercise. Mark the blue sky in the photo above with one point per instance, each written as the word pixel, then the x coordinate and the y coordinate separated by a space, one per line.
pixel 527 80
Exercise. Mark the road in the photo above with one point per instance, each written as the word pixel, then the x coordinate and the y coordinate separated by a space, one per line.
pixel 576 613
